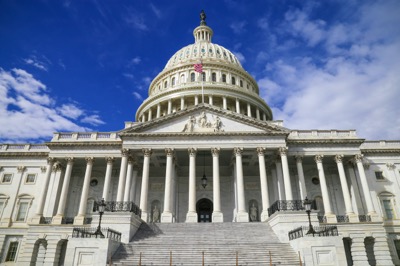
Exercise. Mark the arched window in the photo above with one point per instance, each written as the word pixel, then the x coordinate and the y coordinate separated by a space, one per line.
pixel 223 77
pixel 183 78
pixel 233 81
pixel 241 83
pixel 214 77
pixel 192 77
pixel 165 84
pixel 173 81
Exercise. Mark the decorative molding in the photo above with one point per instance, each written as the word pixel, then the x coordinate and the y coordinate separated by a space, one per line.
pixel 125 152
pixel 358 158
pixel 299 158
pixel 70 160
pixel 237 151
pixel 57 166
pixel 339 158
pixel 318 158
pixel 169 152
pixel 89 160
pixel 283 151
pixel 21 169
pixel 43 169
pixel 110 160
pixel 50 160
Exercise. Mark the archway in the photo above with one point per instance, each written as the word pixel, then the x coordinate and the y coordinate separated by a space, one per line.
pixel 204 208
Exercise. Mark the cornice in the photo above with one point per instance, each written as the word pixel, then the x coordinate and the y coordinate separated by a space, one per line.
pixel 84 143
pixel 23 154
pixel 199 134
pixel 381 151
pixel 325 141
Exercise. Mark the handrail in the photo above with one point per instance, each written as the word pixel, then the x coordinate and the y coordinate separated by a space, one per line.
pixel 84 232
pixel 319 231
pixel 118 206
pixel 288 205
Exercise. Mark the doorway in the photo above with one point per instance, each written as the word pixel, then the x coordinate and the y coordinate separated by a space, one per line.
pixel 204 208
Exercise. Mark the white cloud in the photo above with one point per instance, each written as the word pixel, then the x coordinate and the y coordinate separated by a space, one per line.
pixel 28 113
pixel 240 57
pixel 137 96
pixel 136 60
pixel 238 27
pixel 156 10
pixel 353 82
pixel 41 64
pixel 136 20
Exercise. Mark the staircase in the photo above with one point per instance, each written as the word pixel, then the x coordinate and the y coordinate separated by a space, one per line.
pixel 219 242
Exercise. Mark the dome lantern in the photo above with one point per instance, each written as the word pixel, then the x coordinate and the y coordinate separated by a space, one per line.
pixel 202 33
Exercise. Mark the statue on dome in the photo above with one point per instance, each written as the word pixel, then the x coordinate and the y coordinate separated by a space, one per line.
pixel 203 18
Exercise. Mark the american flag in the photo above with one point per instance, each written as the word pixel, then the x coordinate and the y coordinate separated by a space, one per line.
pixel 198 67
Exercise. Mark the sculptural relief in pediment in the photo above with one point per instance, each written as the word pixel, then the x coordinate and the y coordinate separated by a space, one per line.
pixel 203 123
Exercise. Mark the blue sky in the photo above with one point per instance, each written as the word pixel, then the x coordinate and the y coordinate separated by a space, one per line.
pixel 86 65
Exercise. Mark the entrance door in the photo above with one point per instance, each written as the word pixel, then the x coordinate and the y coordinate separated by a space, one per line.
pixel 204 208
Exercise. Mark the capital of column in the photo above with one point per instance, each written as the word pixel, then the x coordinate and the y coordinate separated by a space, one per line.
pixel 70 160
pixel 237 151
pixel 57 166
pixel 147 152
pixel 299 158
pixel 110 160
pixel 125 152
pixel 390 166
pixel 21 169
pixel 358 158
pixel 42 168
pixel 215 151
pixel 89 160
pixel 50 160
pixel 192 151
pixel 131 160
pixel 169 152
pixel 318 158
pixel 261 151
pixel 283 151
pixel 338 158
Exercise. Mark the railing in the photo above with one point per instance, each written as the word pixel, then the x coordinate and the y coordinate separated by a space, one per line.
pixel 342 218
pixel 319 231
pixel 83 232
pixel 67 220
pixel 288 205
pixel 119 206
pixel 45 220
pixel 322 219
pixel 364 218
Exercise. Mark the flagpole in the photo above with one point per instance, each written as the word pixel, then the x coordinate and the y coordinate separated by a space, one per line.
pixel 202 88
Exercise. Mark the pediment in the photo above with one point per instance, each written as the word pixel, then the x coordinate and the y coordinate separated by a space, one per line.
pixel 205 119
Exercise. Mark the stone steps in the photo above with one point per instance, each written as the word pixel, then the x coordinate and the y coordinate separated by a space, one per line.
pixel 219 242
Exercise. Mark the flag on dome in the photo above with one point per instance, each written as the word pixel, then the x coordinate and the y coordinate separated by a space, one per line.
pixel 198 67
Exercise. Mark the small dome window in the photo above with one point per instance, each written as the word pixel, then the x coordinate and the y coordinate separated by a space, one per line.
pixel 203 76
pixel 233 81
pixel 214 77
pixel 241 83
pixel 182 78
pixel 223 77
pixel 192 77
pixel 165 84
pixel 173 81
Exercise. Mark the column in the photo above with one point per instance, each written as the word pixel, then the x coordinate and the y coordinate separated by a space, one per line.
pixel 258 113
pixel 182 103
pixel 248 110
pixel 191 216
pixel 122 175
pixel 382 250
pixel 64 192
pixel 224 105
pixel 242 215
pixel 330 217
pixel 145 184
pixel 263 184
pixel 300 173
pixel 286 176
pixel 196 100
pixel 279 178
pixel 169 110
pixel 134 183
pixel 166 216
pixel 107 178
pixel 264 117
pixel 128 180
pixel 149 115
pixel 364 183
pixel 43 195
pixel 143 118
pixel 210 100
pixel 345 189
pixel 79 219
pixel 358 252
pixel 173 189
pixel 217 215
pixel 237 106
pixel 158 110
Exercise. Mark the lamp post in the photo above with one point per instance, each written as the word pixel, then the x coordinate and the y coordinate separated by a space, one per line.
pixel 307 205
pixel 101 209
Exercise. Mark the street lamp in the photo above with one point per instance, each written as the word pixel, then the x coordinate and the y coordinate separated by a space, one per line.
pixel 307 205
pixel 101 209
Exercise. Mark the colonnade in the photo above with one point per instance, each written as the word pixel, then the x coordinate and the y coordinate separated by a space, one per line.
pixel 128 176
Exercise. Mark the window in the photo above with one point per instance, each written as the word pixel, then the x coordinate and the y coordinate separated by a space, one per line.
pixel 30 178
pixel 387 206
pixel 203 76
pixel 22 211
pixel 6 178
pixel 12 251
pixel 214 77
pixel 233 81
pixel 192 77
pixel 397 246
pixel 165 84
pixel 183 78
pixel 379 175
pixel 223 78
pixel 173 81
pixel 241 83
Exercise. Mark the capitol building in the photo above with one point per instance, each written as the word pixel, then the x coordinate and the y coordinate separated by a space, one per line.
pixel 203 176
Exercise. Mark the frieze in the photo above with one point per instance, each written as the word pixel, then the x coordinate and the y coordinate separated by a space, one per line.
pixel 201 123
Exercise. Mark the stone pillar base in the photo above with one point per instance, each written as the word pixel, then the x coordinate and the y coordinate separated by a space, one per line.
pixel 331 218
pixel 144 216
pixel 57 219
pixel 166 217
pixel 217 217
pixel 191 217
pixel 242 217
pixel 264 216
pixel 79 220
pixel 353 218
pixel 36 219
